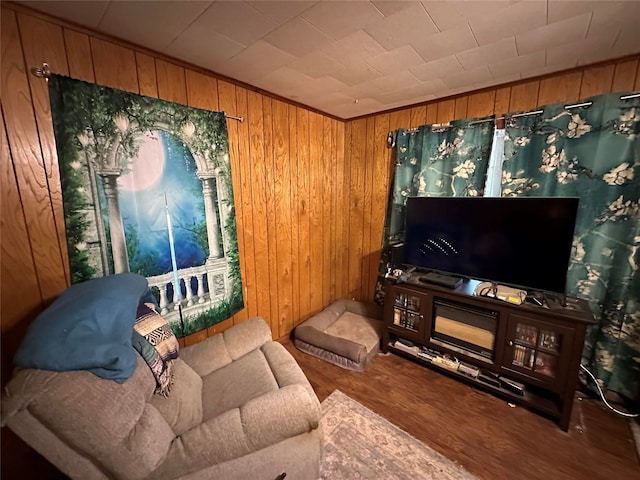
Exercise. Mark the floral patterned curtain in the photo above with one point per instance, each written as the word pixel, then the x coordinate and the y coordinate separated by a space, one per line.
pixel 593 153
pixel 434 160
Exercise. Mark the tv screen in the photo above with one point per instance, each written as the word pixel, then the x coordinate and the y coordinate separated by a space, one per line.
pixel 520 241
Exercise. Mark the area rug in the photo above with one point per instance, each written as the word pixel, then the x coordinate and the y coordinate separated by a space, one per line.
pixel 361 444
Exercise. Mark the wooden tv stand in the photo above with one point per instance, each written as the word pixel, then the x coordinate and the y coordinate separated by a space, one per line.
pixel 533 353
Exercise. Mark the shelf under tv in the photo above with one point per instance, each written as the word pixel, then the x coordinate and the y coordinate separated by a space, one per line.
pixel 539 401
pixel 535 348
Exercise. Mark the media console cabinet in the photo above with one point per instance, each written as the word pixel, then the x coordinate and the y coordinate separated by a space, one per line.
pixel 527 354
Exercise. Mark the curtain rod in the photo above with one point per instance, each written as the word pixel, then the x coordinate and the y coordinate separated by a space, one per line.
pixel 45 72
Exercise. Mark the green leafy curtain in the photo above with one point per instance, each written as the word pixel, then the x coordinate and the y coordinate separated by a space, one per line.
pixel 592 153
pixel 434 160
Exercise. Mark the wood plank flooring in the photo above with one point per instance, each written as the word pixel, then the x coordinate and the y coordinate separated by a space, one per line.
pixel 480 431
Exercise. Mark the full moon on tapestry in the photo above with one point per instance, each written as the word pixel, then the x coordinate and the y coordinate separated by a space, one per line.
pixel 146 188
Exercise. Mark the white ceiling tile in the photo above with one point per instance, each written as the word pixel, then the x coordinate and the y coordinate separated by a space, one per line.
pixel 443 44
pixel 281 11
pixel 615 16
pixel 417 91
pixel 341 18
pixel 238 21
pixel 190 47
pixel 564 31
pixel 87 13
pixel 389 7
pixel 316 64
pixel 161 25
pixel 395 81
pixel 451 13
pixel 357 46
pixel 412 51
pixel 581 50
pixel 319 86
pixel 499 81
pixel 438 68
pixel 468 77
pixel 516 65
pixel 569 62
pixel 563 9
pixel 282 78
pixel 510 21
pixel 627 42
pixel 255 61
pixel 407 26
pixel 298 37
pixel 401 58
pixel 486 54
pixel 356 72
pixel 363 107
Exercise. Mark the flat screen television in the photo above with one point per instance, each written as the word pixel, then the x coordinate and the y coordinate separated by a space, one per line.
pixel 519 241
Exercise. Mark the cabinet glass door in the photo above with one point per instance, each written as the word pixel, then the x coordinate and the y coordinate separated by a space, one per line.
pixel 407 311
pixel 536 349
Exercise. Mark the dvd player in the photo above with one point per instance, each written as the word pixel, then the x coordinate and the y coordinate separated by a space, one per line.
pixel 442 280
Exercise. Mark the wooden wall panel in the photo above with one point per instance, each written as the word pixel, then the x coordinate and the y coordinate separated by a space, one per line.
pixel 446 111
pixel 481 104
pixel 282 202
pixel 24 142
pixel 295 231
pixel 358 143
pixel 596 80
pixel 316 161
pixel 561 88
pixel 461 106
pixel 418 116
pixel 147 77
pixel 331 211
pixel 524 96
pixel 326 188
pixel 44 41
pixel 202 90
pixel 18 268
pixel 114 66
pixel 245 197
pixel 301 209
pixel 342 214
pixel 79 56
pixel 172 85
pixel 272 230
pixel 380 182
pixel 263 279
pixel 624 76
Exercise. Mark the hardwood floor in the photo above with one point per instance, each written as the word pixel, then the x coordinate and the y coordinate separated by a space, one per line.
pixel 480 431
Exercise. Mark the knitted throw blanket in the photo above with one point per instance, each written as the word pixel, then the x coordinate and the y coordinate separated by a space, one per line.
pixel 153 338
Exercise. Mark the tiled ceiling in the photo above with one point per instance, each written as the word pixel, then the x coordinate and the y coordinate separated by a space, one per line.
pixel 351 58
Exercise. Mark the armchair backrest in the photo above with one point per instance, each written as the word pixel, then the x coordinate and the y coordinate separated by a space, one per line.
pixel 86 425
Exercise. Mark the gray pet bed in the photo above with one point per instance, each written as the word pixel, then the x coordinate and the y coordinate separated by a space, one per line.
pixel 346 333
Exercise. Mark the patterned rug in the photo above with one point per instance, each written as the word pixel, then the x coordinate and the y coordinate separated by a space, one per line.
pixel 361 444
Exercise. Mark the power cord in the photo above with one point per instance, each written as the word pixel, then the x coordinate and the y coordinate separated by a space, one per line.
pixel 624 414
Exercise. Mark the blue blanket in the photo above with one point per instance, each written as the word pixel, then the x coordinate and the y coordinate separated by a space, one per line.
pixel 88 327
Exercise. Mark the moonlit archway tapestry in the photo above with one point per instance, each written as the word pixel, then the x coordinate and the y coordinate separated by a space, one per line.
pixel 146 188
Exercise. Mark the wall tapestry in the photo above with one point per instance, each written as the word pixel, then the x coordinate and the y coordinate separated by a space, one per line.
pixel 592 152
pixel 434 160
pixel 146 188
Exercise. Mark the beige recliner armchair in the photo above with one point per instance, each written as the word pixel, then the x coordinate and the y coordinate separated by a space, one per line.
pixel 240 408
